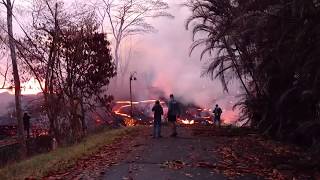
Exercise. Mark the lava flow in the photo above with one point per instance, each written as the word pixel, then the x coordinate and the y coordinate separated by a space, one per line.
pixel 120 108
pixel 186 121
pixel 142 113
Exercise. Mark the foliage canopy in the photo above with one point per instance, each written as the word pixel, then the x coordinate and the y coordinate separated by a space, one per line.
pixel 273 48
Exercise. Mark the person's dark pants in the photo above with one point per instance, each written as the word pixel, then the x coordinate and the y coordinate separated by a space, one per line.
pixel 172 119
pixel 26 128
pixel 217 120
pixel 157 129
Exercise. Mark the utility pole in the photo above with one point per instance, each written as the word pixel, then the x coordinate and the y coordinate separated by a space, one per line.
pixel 132 78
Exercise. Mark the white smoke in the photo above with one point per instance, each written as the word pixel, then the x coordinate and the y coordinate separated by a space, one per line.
pixel 162 61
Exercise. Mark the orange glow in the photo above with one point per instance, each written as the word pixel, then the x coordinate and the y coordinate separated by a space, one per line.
pixel 227 116
pixel 187 121
pixel 31 87
pixel 137 102
pixel 230 116
pixel 127 104
pixel 28 88
pixel 121 114
pixel 130 122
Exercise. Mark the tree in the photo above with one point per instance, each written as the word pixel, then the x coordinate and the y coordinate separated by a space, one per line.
pixel 65 51
pixel 40 52
pixel 129 17
pixel 216 17
pixel 272 45
pixel 88 66
pixel 9 7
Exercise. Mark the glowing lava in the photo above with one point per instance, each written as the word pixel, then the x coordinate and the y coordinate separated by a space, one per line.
pixel 126 104
pixel 120 108
pixel 27 88
pixel 187 121
pixel 198 115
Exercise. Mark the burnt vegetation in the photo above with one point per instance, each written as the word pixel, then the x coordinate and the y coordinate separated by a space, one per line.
pixel 272 47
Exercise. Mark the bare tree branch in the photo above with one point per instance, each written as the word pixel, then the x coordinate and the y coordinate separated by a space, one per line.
pixel 129 17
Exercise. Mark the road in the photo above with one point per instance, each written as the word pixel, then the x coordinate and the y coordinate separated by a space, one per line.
pixel 198 153
pixel 169 158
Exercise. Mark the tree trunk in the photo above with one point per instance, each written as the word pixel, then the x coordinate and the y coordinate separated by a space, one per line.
pixel 83 122
pixel 117 55
pixel 21 137
pixel 48 89
pixel 75 120
pixel 234 62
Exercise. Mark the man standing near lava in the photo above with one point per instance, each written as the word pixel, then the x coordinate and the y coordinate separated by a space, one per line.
pixel 173 113
pixel 217 115
pixel 158 112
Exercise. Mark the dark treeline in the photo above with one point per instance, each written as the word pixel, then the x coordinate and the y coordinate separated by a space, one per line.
pixel 272 47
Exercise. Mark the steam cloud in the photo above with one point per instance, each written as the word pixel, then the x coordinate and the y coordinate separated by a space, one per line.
pixel 162 63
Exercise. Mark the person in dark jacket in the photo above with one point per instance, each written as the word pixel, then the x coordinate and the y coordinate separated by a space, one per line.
pixel 26 123
pixel 158 112
pixel 217 115
pixel 173 113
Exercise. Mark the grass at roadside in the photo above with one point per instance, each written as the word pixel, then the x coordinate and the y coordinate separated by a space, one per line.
pixel 39 166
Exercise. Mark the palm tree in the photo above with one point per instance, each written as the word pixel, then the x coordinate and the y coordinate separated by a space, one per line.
pixel 271 47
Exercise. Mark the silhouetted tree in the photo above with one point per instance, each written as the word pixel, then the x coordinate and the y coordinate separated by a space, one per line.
pixel 40 50
pixel 271 46
pixel 17 88
pixel 88 66
pixel 129 17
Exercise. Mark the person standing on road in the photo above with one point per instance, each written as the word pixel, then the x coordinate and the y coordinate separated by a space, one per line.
pixel 217 115
pixel 26 123
pixel 158 112
pixel 173 113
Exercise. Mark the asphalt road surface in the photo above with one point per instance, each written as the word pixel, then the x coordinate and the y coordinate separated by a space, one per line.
pixel 168 158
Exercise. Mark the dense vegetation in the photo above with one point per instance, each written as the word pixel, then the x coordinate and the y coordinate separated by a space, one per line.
pixel 272 47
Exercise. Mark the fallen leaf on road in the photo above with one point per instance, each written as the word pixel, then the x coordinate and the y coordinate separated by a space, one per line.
pixel 175 164
pixel 137 145
pixel 205 165
pixel 127 178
